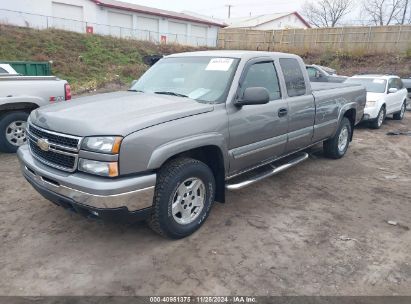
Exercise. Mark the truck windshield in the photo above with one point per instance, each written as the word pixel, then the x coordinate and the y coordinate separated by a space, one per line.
pixel 372 85
pixel 205 79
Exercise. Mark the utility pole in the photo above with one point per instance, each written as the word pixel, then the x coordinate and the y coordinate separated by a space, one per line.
pixel 229 10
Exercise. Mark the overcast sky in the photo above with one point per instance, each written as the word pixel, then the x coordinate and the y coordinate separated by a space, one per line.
pixel 218 9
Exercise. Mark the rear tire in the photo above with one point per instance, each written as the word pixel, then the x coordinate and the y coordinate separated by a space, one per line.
pixel 337 146
pixel 13 131
pixel 400 115
pixel 377 123
pixel 183 198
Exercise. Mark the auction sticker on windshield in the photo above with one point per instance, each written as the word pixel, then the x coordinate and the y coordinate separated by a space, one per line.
pixel 219 64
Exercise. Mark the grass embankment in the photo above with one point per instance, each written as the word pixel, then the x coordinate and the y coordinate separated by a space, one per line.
pixel 88 62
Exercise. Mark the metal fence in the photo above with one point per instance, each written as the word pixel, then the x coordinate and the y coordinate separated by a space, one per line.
pixel 24 19
pixel 370 38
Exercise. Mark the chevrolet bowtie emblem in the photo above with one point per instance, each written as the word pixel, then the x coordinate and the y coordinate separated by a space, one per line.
pixel 43 144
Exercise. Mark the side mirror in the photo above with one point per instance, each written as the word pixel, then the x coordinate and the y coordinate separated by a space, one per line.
pixel 133 82
pixel 254 96
pixel 392 90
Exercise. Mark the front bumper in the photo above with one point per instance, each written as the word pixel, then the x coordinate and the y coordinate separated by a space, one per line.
pixel 127 194
pixel 371 113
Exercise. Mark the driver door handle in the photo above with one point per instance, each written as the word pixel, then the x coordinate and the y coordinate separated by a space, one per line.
pixel 282 112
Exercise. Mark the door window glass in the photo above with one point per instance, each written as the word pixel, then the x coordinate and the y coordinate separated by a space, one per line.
pixel 392 84
pixel 264 75
pixel 311 72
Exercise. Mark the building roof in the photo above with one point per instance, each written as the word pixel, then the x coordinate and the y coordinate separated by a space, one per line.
pixel 250 22
pixel 153 11
pixel 205 17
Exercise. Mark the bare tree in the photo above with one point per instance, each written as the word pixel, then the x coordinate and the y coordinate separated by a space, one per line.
pixel 326 13
pixel 384 12
pixel 404 12
pixel 405 16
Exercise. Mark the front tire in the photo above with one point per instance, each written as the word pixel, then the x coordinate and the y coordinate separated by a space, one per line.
pixel 400 115
pixel 183 198
pixel 377 123
pixel 337 146
pixel 13 131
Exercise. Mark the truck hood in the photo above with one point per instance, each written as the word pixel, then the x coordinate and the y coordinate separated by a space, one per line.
pixel 119 113
pixel 375 96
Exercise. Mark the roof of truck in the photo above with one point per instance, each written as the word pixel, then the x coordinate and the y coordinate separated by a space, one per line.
pixel 233 54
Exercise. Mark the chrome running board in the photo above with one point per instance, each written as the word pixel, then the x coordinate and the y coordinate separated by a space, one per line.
pixel 271 169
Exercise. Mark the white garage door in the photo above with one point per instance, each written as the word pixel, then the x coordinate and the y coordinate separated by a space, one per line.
pixel 68 11
pixel 120 24
pixel 177 32
pixel 147 28
pixel 198 35
pixel 120 20
pixel 67 17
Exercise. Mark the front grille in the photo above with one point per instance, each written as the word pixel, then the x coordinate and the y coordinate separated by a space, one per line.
pixel 58 160
pixel 62 150
pixel 54 138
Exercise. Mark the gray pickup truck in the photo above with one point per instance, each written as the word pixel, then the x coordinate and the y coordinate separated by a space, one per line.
pixel 194 125
pixel 19 95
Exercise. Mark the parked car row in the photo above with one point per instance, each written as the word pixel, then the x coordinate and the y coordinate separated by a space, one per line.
pixel 386 94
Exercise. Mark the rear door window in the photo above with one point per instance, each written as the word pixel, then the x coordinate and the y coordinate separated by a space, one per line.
pixel 293 76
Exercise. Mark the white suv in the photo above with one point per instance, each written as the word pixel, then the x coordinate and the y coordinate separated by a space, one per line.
pixel 385 95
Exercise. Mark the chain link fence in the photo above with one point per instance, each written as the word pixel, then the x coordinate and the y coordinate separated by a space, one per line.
pixel 37 21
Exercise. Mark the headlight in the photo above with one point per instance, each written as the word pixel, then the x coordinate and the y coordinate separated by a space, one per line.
pixel 371 103
pixel 109 144
pixel 109 169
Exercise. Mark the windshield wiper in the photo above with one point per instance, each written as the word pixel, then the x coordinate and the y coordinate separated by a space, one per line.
pixel 171 93
pixel 131 90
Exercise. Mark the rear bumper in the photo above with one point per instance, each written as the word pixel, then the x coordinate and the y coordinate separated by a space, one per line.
pixel 121 197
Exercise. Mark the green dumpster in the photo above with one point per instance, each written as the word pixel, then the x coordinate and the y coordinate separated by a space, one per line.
pixel 31 68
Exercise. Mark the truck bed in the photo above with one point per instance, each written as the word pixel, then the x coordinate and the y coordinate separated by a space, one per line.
pixel 321 86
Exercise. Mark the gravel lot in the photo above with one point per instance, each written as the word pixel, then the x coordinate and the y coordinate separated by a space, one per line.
pixel 319 228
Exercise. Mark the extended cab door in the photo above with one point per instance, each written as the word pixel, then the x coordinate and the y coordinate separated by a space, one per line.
pixel 301 106
pixel 257 132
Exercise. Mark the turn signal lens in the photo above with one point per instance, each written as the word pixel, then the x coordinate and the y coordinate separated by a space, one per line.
pixel 116 145
pixel 113 169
